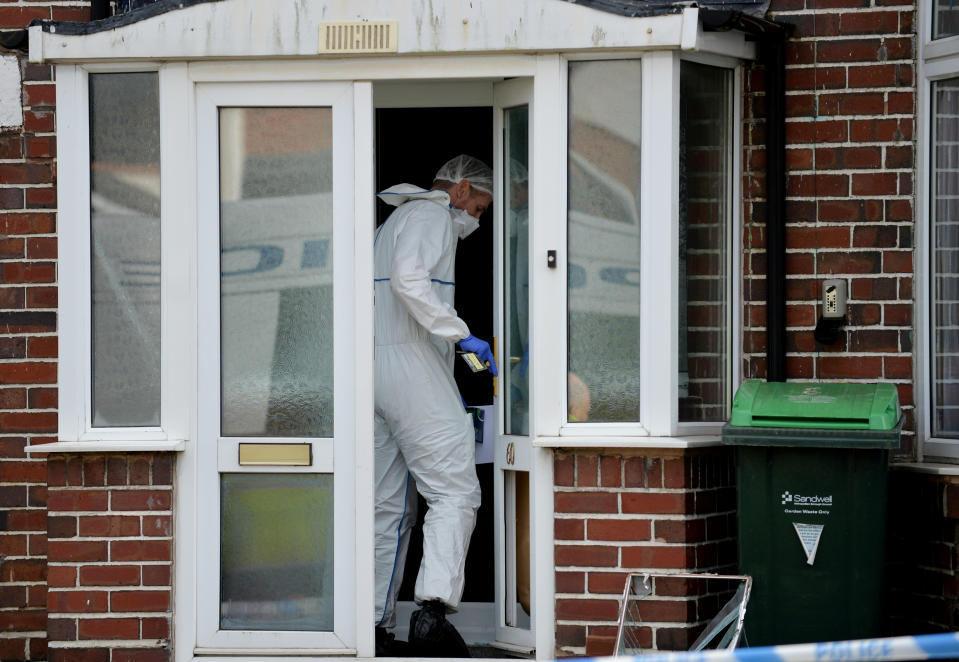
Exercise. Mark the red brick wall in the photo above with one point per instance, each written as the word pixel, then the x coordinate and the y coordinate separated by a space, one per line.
pixel 110 528
pixel 850 193
pixel 617 513
pixel 28 340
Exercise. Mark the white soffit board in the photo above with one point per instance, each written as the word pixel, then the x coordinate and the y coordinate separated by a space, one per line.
pixel 284 28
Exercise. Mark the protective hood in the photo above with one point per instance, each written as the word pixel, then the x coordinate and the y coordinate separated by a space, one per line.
pixel 464 224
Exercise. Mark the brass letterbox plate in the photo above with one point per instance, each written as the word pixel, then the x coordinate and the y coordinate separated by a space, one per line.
pixel 276 455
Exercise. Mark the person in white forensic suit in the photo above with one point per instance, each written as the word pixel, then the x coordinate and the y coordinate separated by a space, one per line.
pixel 424 439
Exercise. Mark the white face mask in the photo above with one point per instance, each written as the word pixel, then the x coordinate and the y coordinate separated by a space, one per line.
pixel 464 223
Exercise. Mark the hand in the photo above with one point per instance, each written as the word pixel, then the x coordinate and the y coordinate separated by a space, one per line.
pixel 481 348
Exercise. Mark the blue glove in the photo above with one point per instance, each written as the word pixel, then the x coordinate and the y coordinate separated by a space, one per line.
pixel 481 348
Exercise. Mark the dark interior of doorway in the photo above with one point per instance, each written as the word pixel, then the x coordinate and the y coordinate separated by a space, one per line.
pixel 411 145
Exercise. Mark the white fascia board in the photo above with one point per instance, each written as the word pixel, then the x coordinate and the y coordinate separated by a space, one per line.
pixel 290 28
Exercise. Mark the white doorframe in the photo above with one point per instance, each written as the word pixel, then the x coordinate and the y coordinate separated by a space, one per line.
pixel 352 393
pixel 512 452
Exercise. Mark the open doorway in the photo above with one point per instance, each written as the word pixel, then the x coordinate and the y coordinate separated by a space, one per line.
pixel 411 144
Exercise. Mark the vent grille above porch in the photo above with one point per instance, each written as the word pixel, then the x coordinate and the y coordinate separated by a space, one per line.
pixel 358 37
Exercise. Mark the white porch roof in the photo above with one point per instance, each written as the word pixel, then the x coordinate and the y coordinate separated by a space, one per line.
pixel 293 28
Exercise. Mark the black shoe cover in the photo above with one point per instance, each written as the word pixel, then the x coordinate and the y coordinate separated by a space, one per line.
pixel 431 635
pixel 387 645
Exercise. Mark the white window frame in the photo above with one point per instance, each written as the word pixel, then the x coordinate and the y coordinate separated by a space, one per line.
pixel 938 60
pixel 658 424
pixel 75 429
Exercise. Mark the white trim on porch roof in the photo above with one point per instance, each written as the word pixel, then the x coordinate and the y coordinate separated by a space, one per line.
pixel 291 28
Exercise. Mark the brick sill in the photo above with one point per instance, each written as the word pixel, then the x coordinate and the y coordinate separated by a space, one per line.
pixel 109 446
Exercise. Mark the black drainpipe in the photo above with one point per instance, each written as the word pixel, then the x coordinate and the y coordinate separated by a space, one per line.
pixel 774 57
pixel 771 37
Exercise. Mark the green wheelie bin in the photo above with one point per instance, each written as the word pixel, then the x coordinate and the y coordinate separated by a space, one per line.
pixel 811 475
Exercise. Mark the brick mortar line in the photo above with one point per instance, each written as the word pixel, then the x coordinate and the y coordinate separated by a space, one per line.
pixel 812 327
pixel 39 334
pixel 605 623
pixel 847 198
pixel 856 249
pixel 863 64
pixel 125 488
pixel 21 634
pixel 844 224
pixel 632 544
pixel 845 144
pixel 814 354
pixel 27 259
pixel 48 3
pixel 25 584
pixel 104 564
pixel 138 588
pixel 798 277
pixel 835 91
pixel 614 517
pixel 23 410
pixel 669 517
pixel 804 171
pixel 80 616
pixel 619 568
pixel 873 36
pixel 632 489
pixel 121 539
pixel 663 598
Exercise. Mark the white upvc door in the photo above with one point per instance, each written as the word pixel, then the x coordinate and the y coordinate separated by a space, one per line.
pixel 284 371
pixel 513 474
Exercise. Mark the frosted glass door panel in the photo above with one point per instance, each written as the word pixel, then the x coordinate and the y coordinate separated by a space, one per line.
pixel 276 288
pixel 276 552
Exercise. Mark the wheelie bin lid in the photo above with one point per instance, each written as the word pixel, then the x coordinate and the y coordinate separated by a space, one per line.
pixel 837 415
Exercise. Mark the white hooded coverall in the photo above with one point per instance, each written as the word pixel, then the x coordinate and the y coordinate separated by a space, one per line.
pixel 424 438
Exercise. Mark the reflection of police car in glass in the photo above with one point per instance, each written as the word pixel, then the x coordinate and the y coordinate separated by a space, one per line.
pixel 603 282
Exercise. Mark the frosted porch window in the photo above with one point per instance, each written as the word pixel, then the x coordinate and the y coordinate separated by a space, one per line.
pixel 125 249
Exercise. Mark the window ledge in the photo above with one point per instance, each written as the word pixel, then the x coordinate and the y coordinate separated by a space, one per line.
pixel 935 468
pixel 108 446
pixel 704 441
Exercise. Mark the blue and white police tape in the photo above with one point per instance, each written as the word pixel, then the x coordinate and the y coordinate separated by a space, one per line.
pixel 920 647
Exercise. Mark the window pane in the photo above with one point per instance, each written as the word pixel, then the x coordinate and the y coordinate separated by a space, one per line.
pixel 125 249
pixel 945 19
pixel 276 552
pixel 704 279
pixel 276 287
pixel 516 251
pixel 945 259
pixel 603 236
